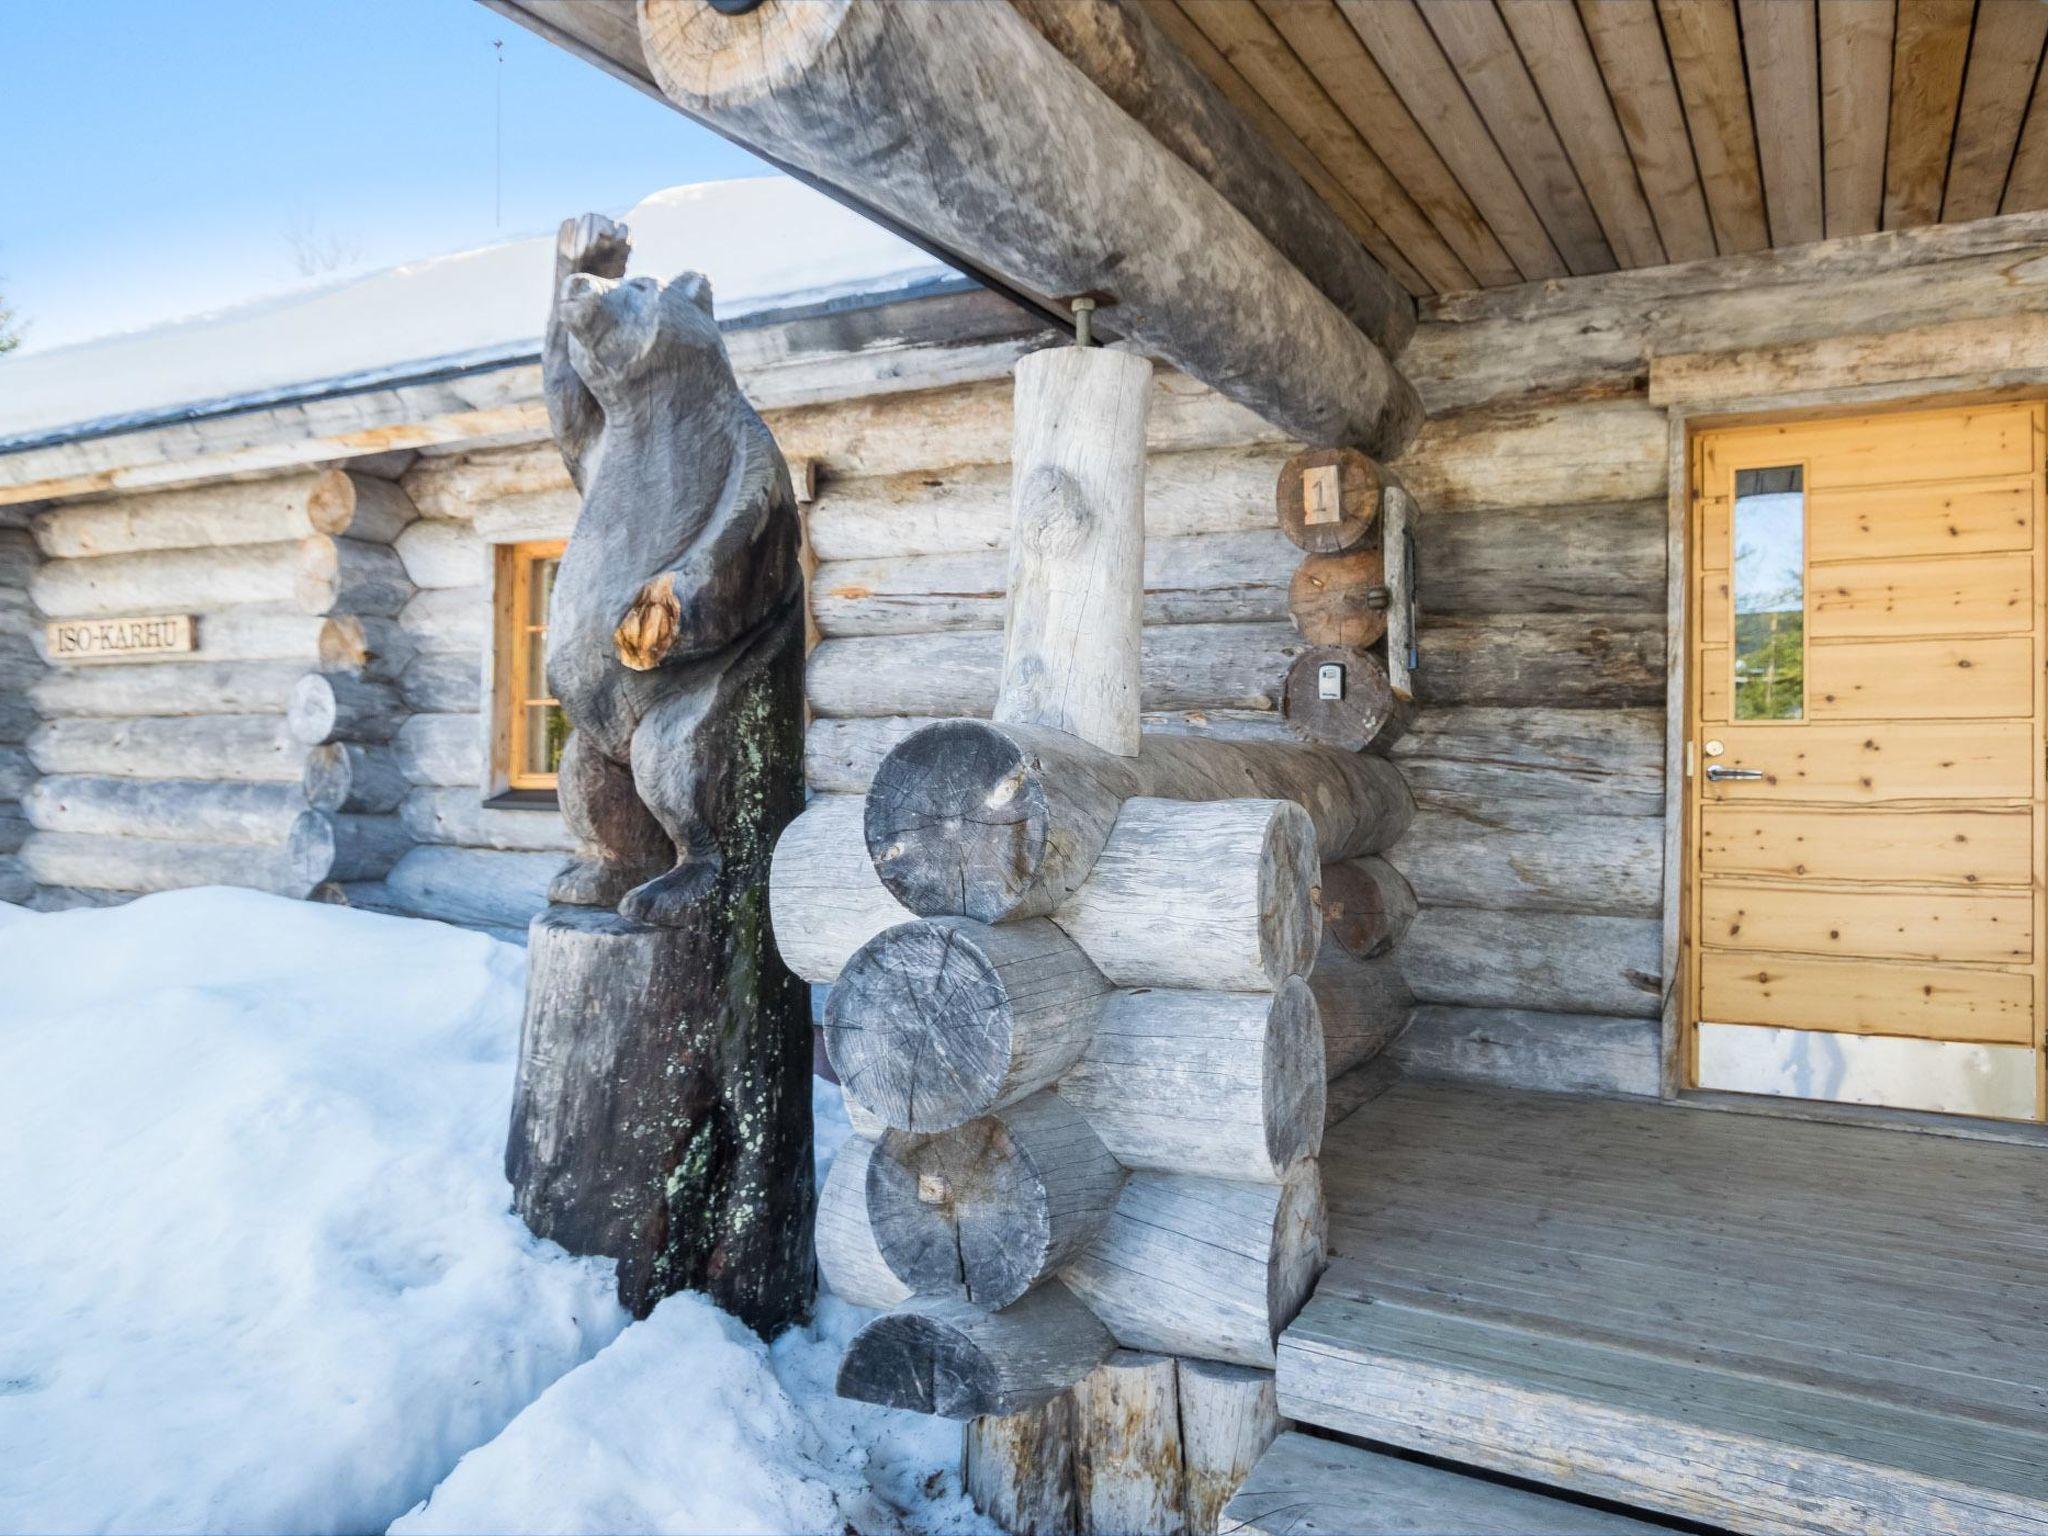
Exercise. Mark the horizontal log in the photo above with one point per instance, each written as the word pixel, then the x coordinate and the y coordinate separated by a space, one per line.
pixel 448 620
pixel 323 846
pixel 69 898
pixel 1185 667
pixel 1543 961
pixel 850 1263
pixel 1016 1005
pixel 350 576
pixel 529 517
pixel 1539 455
pixel 374 647
pixel 17 719
pixel 1368 903
pixel 1235 879
pixel 439 553
pixel 17 773
pixel 1229 1085
pixel 824 899
pixel 988 1210
pixel 441 749
pixel 1478 760
pixel 1363 1005
pixel 283 509
pixel 339 706
pixel 257 632
pixel 349 776
pixel 14 827
pixel 1532 858
pixel 1007 821
pixel 965 509
pixel 1216 578
pixel 947 1357
pixel 459 487
pixel 348 504
pixel 459 817
pixel 1606 558
pixel 1569 661
pixel 252 747
pixel 448 685
pixel 1205 1267
pixel 191 810
pixel 141 864
pixel 472 886
pixel 1548 1052
pixel 111 691
pixel 167 581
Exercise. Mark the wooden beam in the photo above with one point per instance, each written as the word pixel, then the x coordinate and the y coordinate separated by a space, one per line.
pixel 1553 44
pixel 1629 45
pixel 1855 98
pixel 1782 49
pixel 1706 55
pixel 2005 55
pixel 1928 53
pixel 1040 190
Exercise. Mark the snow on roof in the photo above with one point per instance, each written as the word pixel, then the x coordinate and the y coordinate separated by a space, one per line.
pixel 766 244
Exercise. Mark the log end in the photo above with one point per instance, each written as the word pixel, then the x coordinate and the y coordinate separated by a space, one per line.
pixel 1296 1077
pixel 310 851
pixel 1300 1247
pixel 1341 599
pixel 952 1359
pixel 704 57
pixel 331 504
pixel 957 821
pixel 1290 919
pixel 1341 698
pixel 1328 499
pixel 317 584
pixel 313 712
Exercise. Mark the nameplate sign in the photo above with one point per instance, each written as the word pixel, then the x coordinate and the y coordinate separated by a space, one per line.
pixel 137 639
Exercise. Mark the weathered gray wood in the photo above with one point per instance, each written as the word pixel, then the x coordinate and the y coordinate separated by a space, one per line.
pixel 848 1258
pixel 1013 1007
pixel 1127 1463
pixel 1328 499
pixel 347 776
pixel 443 684
pixel 1118 48
pixel 448 620
pixel 1514 1048
pixel 824 897
pixel 191 810
pixel 16 884
pixel 991 1208
pixel 1020 1469
pixel 438 553
pixel 1206 578
pixel 1005 821
pixel 1532 857
pixel 339 706
pixel 1367 904
pixel 250 632
pixel 17 773
pixel 252 747
pixel 1204 1267
pixel 1549 962
pixel 350 642
pixel 182 688
pixel 68 898
pixel 150 864
pixel 1397 544
pixel 1238 877
pixel 1363 1004
pixel 1364 711
pixel 940 510
pixel 474 886
pixel 1583 661
pixel 1229 1085
pixel 200 517
pixel 1606 558
pixel 948 1357
pixel 1607 762
pixel 323 846
pixel 656 1122
pixel 460 817
pixel 1076 577
pixel 1229 1415
pixel 1537 454
pixel 166 581
pixel 1185 667
pixel 1305 1483
pixel 346 503
pixel 822 94
pixel 441 749
pixel 338 575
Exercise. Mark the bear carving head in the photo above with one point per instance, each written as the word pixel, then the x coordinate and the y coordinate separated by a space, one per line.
pixel 620 330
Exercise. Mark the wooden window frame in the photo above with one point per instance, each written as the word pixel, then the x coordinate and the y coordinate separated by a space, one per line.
pixel 513 691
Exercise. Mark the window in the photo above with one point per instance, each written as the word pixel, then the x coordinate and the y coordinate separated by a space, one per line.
pixel 530 726
pixel 1769 581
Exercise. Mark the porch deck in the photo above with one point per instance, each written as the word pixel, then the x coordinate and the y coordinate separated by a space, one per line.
pixel 1756 1323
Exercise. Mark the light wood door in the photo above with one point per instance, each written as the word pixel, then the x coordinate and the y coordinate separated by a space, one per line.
pixel 1865 761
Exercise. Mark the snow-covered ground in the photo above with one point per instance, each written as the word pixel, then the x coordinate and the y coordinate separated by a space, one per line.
pixel 258 1269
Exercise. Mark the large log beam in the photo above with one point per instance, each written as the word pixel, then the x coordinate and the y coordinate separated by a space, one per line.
pixel 1040 181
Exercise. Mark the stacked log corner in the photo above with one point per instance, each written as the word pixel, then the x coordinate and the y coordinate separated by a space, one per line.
pixel 1085 1011
pixel 347 714
pixel 20 667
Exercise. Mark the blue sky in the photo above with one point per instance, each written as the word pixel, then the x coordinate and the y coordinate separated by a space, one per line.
pixel 161 152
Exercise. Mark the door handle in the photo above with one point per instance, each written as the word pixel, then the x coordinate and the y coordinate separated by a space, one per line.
pixel 1717 774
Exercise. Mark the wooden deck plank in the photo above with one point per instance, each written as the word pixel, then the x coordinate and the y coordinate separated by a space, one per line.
pixel 1856 93
pixel 2005 53
pixel 1770 1324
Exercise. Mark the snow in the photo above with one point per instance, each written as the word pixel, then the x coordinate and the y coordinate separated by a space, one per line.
pixel 766 243
pixel 260 1271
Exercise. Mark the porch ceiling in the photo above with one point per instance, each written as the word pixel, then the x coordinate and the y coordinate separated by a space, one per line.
pixel 1482 143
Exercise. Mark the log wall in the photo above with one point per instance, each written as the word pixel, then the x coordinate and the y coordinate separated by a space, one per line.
pixel 20 668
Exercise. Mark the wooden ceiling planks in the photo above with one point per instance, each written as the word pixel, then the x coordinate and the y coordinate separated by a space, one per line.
pixel 1490 142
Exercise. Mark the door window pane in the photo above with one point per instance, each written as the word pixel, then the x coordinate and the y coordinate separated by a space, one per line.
pixel 1768 574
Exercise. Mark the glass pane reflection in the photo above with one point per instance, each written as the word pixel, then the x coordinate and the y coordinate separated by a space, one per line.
pixel 1768 575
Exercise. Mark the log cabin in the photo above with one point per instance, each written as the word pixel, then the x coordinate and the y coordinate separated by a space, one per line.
pixel 1565 1052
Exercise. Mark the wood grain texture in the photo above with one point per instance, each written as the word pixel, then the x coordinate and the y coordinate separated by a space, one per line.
pixel 2005 56
pixel 1929 49
pixel 1856 89
pixel 1128 1469
pixel 1546 961
pixel 824 898
pixel 948 1357
pixel 1228 1416
pixel 1550 1052
pixel 849 1260
pixel 1704 37
pixel 1781 47
pixel 1628 42
pixel 1019 1468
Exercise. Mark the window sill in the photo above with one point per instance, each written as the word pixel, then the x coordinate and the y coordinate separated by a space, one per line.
pixel 523 800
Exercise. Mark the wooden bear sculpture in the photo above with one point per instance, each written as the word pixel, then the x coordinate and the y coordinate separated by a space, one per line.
pixel 662 1114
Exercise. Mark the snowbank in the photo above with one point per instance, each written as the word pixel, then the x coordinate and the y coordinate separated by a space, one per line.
pixel 258 1271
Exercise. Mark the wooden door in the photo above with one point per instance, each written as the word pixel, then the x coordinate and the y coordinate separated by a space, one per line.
pixel 1865 761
